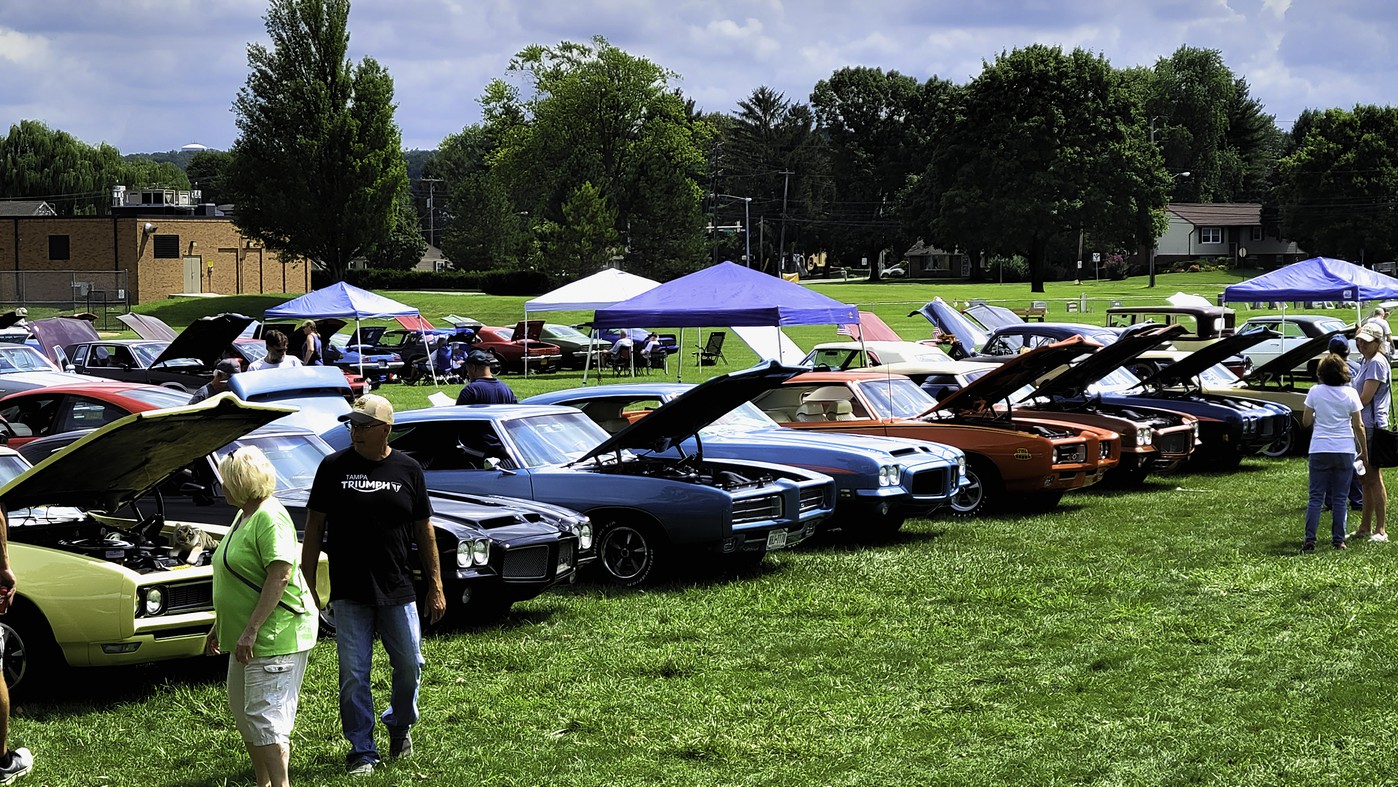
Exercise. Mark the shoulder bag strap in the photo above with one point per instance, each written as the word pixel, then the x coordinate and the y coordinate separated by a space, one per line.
pixel 281 603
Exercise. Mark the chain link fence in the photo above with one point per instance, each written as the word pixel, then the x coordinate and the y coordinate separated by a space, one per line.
pixel 103 293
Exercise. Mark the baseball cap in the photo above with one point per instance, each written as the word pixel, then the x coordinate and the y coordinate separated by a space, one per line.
pixel 1368 333
pixel 1339 345
pixel 370 409
pixel 228 366
pixel 480 358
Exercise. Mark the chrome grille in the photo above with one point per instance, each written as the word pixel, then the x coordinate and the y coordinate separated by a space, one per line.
pixel 1174 442
pixel 189 596
pixel 757 509
pixel 812 499
pixel 565 554
pixel 1267 427
pixel 526 563
pixel 931 482
pixel 1070 454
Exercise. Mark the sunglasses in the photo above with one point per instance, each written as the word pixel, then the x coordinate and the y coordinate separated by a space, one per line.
pixel 351 425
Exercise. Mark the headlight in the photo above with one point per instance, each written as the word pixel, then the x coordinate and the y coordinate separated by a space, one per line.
pixel 961 466
pixel 154 603
pixel 1145 436
pixel 1195 426
pixel 480 552
pixel 585 535
pixel 889 475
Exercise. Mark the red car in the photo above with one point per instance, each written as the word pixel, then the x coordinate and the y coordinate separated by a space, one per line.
pixel 63 408
pixel 512 352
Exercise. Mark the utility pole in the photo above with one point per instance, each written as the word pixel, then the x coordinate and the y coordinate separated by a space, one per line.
pixel 781 253
pixel 431 212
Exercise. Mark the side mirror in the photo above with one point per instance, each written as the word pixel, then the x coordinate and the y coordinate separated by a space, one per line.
pixel 495 463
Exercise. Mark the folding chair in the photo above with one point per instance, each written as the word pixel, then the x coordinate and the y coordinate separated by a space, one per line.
pixel 712 350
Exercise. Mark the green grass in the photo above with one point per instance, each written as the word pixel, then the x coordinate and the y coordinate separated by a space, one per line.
pixel 1165 636
pixel 1170 635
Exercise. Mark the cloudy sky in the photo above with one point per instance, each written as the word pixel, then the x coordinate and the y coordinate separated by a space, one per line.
pixel 153 75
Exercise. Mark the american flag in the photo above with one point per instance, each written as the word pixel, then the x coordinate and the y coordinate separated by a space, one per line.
pixel 849 329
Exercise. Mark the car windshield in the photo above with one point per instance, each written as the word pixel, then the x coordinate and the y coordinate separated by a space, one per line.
pixel 256 351
pixel 508 334
pixel 834 357
pixel 158 397
pixel 564 332
pixel 896 397
pixel 294 457
pixel 745 418
pixel 23 358
pixel 553 439
pixel 11 465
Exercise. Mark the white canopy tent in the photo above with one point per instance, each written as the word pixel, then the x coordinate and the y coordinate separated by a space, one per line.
pixel 601 289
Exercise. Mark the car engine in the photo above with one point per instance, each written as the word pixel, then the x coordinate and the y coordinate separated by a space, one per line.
pixel 690 472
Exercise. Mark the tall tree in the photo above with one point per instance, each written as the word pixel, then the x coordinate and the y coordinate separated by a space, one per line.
pixel 404 246
pixel 869 118
pixel 479 225
pixel 595 114
pixel 317 165
pixel 1043 146
pixel 1339 186
pixel 206 172
pixel 771 154
pixel 40 163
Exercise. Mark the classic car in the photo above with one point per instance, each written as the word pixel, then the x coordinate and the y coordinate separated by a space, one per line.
pixel 494 551
pixel 1279 381
pixel 881 480
pixel 515 349
pixel 650 512
pixel 408 345
pixel 572 342
pixel 39 412
pixel 100 583
pixel 1204 325
pixel 319 394
pixel 22 367
pixel 669 341
pixel 1052 380
pixel 1291 331
pixel 185 364
pixel 840 356
pixel 1031 462
pixel 1231 425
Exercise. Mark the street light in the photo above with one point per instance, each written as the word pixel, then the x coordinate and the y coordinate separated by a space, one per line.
pixel 747 227
pixel 1174 176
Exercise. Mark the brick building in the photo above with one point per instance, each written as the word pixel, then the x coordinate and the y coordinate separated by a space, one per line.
pixel 155 243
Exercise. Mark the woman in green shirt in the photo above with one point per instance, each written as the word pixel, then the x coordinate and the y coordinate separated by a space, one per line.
pixel 261 613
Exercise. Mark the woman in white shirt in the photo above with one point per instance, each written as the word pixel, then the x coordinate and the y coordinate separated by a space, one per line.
pixel 1337 435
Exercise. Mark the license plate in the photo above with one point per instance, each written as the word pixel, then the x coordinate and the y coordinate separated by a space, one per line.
pixel 776 540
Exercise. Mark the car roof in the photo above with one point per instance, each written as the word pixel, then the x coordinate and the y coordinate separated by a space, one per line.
pixel 97 386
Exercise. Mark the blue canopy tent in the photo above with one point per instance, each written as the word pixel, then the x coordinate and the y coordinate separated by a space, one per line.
pixel 727 294
pixel 345 302
pixel 1317 279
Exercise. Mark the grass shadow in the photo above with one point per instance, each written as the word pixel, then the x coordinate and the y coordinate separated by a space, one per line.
pixel 78 690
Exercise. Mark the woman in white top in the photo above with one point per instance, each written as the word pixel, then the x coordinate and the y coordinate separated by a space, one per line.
pixel 1337 435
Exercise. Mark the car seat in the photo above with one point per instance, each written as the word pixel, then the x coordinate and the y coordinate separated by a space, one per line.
pixel 842 410
pixel 811 411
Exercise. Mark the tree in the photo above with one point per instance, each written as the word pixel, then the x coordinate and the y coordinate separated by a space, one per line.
pixel 317 165
pixel 1043 146
pixel 771 153
pixel 40 163
pixel 206 172
pixel 594 114
pixel 482 229
pixel 1338 189
pixel 868 117
pixel 404 246
pixel 587 239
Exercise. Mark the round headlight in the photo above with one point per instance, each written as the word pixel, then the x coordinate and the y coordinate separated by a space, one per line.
pixel 888 475
pixel 463 555
pixel 1145 436
pixel 585 535
pixel 155 602
pixel 961 466
pixel 480 552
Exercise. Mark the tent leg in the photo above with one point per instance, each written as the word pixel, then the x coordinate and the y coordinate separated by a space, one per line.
pixel 587 362
pixel 679 362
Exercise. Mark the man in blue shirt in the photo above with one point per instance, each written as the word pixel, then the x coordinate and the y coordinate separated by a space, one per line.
pixel 484 387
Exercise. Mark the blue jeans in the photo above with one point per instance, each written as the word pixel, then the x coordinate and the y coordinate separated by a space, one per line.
pixel 1330 475
pixel 399 629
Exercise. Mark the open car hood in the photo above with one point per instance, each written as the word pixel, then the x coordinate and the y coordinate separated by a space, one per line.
pixel 680 418
pixel 1189 367
pixel 949 320
pixel 1076 378
pixel 993 317
pixel 129 457
pixel 532 330
pixel 1017 372
pixel 1296 356
pixel 60 332
pixel 148 327
pixel 205 339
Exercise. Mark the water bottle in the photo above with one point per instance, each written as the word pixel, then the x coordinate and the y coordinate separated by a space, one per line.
pixel 1359 467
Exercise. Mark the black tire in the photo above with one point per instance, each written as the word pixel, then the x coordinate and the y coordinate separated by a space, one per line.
pixel 1284 446
pixel 628 553
pixel 975 497
pixel 326 618
pixel 30 650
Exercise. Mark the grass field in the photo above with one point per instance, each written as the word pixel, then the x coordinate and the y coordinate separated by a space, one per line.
pixel 1170 635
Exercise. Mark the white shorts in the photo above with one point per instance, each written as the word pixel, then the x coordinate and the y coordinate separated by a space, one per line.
pixel 263 694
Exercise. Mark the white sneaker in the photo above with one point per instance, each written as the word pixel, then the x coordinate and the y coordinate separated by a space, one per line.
pixel 15 764
pixel 1379 538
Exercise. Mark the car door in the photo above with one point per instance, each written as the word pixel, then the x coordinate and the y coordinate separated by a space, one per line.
pixel 101 360
pixel 85 412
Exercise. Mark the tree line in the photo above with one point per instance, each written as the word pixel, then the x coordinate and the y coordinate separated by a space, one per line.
pixel 587 155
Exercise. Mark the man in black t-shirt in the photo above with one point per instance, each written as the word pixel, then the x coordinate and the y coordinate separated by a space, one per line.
pixel 484 387
pixel 369 503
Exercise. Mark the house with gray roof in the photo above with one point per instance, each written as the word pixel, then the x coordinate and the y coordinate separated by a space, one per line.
pixel 1230 230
